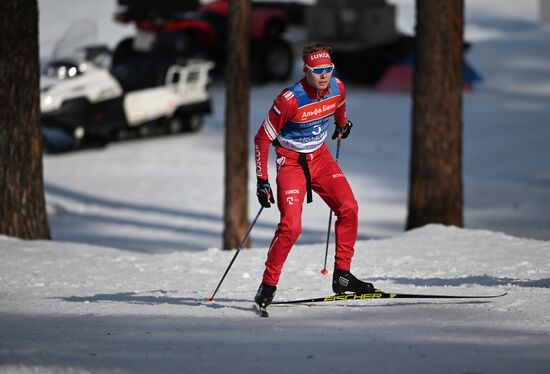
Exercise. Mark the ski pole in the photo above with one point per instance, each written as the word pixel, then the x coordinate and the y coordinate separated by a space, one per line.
pixel 236 254
pixel 324 271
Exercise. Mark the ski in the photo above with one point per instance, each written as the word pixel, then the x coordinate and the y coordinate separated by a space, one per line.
pixel 379 294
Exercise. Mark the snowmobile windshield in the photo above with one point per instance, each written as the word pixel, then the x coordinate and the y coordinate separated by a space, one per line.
pixel 75 50
pixel 72 45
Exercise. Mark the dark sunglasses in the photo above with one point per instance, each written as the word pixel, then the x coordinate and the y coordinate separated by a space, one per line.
pixel 319 71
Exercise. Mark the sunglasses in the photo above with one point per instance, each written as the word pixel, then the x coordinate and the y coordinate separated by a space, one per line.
pixel 319 71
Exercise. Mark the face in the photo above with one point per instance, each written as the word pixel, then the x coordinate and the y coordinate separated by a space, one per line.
pixel 318 81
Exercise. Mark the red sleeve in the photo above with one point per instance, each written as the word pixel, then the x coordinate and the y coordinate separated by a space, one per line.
pixel 283 108
pixel 340 114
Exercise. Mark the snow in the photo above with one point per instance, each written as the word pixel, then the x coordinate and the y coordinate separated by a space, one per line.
pixel 137 230
pixel 84 309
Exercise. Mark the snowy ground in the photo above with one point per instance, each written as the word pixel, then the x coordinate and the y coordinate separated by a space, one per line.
pixel 76 308
pixel 137 225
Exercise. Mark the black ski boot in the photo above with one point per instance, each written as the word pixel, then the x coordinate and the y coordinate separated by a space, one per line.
pixel 344 281
pixel 265 294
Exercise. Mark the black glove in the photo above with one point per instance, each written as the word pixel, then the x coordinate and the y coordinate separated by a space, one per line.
pixel 264 193
pixel 342 131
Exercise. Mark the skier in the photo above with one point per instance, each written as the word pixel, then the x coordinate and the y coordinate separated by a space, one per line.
pixel 297 125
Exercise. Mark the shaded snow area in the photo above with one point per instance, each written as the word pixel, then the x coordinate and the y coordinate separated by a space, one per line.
pixel 137 228
pixel 77 308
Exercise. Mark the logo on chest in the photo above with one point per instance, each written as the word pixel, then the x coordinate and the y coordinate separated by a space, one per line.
pixel 317 110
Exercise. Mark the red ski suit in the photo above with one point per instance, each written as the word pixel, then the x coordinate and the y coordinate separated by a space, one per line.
pixel 297 123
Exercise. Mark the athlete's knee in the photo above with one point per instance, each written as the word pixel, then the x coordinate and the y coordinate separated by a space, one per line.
pixel 348 208
pixel 291 228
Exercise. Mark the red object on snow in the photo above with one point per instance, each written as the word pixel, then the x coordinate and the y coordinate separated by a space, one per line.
pixel 398 78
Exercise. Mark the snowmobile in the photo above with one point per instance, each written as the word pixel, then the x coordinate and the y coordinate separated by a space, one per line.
pixel 84 99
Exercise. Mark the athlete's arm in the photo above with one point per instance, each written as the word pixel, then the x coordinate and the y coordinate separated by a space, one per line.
pixel 283 108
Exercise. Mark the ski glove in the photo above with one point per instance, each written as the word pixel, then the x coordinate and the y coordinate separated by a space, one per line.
pixel 264 193
pixel 343 131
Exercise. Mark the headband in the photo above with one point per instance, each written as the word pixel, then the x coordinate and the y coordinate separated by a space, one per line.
pixel 317 59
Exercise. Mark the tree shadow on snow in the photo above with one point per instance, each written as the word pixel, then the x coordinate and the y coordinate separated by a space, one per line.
pixel 83 226
pixel 158 297
pixel 88 199
pixel 482 280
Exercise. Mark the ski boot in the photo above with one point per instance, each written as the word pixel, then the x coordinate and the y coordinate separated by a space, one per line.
pixel 344 281
pixel 264 297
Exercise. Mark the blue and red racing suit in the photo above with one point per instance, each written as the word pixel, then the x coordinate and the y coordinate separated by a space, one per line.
pixel 298 124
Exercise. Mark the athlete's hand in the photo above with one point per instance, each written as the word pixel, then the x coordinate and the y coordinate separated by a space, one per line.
pixel 343 131
pixel 264 193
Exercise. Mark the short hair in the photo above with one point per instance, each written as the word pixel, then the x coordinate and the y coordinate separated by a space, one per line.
pixel 315 47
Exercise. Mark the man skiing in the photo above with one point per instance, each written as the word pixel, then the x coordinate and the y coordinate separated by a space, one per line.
pixel 297 125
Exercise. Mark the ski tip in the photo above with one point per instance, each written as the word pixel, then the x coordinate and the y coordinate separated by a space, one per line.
pixel 210 299
pixel 324 271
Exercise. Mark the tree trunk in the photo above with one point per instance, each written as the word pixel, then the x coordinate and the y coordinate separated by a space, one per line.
pixel 435 191
pixel 22 205
pixel 236 126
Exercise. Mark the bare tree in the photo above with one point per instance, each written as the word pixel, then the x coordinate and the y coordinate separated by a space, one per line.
pixel 435 191
pixel 236 126
pixel 22 205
